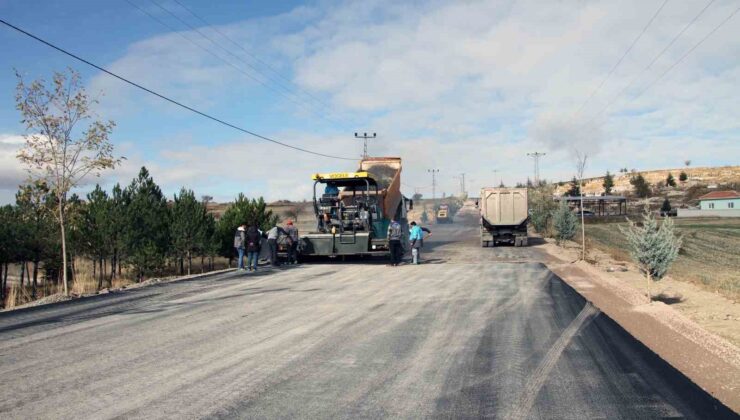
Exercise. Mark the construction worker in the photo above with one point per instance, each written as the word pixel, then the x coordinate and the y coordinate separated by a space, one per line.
pixel 272 238
pixel 254 239
pixel 416 236
pixel 292 232
pixel 239 242
pixel 395 234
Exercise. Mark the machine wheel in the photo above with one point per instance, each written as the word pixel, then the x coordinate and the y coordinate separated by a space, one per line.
pixel 517 241
pixel 524 241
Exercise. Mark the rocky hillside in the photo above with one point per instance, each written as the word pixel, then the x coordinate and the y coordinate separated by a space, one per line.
pixel 708 176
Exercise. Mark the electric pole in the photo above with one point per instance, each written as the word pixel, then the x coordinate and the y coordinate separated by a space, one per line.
pixel 536 156
pixel 495 171
pixel 364 137
pixel 462 182
pixel 434 173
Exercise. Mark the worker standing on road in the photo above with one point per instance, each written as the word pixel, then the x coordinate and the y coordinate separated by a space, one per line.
pixel 394 241
pixel 239 241
pixel 416 236
pixel 292 242
pixel 272 238
pixel 254 237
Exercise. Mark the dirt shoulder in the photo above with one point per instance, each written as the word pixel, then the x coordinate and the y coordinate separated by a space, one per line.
pixel 698 335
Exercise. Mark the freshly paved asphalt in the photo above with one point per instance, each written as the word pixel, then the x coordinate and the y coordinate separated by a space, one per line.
pixel 471 333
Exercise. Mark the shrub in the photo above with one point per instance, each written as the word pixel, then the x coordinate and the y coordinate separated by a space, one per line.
pixel 683 176
pixel 653 247
pixel 565 223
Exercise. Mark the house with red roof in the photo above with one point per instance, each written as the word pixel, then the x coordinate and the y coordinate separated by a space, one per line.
pixel 720 200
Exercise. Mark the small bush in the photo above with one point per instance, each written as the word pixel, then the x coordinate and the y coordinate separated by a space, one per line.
pixel 565 223
pixel 653 247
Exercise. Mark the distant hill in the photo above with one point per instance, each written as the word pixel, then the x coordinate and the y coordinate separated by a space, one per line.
pixel 697 178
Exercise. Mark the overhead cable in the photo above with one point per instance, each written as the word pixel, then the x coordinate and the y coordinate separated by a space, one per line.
pixel 161 96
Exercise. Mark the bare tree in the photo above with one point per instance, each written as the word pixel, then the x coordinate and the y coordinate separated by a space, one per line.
pixel 56 152
pixel 581 159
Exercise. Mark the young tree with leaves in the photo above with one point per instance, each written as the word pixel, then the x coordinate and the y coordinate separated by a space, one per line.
pixel 57 152
pixel 542 206
pixel 608 183
pixel 653 247
pixel 565 222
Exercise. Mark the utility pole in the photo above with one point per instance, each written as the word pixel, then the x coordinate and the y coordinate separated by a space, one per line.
pixel 434 173
pixel 364 136
pixel 536 156
pixel 495 171
pixel 462 182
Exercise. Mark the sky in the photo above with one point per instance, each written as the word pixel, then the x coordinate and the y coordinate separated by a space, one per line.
pixel 463 87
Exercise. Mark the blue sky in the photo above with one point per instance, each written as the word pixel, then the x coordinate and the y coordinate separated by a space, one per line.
pixel 460 86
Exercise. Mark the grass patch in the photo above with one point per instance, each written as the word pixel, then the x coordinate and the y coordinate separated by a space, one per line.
pixel 709 256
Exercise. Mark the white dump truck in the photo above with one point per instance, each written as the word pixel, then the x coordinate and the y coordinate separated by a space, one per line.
pixel 504 214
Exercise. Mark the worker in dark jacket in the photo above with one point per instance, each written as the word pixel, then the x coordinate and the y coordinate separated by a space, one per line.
pixel 395 234
pixel 272 238
pixel 253 238
pixel 239 241
pixel 292 232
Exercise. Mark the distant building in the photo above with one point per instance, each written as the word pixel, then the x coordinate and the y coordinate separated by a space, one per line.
pixel 715 204
pixel 720 200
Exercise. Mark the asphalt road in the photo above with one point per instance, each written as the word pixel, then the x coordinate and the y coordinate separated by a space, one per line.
pixel 471 333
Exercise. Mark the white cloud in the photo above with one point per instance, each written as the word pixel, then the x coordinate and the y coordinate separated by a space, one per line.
pixel 11 171
pixel 462 86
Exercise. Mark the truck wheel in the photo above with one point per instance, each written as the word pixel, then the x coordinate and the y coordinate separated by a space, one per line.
pixel 524 241
pixel 517 241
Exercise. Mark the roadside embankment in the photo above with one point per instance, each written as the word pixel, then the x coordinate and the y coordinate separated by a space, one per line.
pixel 711 361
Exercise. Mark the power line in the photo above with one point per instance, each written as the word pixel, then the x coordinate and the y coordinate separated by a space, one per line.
pixel 209 39
pixel 655 59
pixel 247 52
pixel 614 68
pixel 689 51
pixel 218 57
pixel 172 101
pixel 675 63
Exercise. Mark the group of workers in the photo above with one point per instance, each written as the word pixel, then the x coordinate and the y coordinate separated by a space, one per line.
pixel 416 241
pixel 249 241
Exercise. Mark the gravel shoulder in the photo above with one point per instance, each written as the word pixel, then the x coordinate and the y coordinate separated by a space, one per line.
pixel 711 361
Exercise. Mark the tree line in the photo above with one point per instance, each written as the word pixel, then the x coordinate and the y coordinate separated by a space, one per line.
pixel 132 230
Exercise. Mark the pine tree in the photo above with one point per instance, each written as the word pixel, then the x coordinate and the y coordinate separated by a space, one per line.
pixel 147 217
pixel 10 244
pixel 652 247
pixel 187 227
pixel 642 188
pixel 670 181
pixel 36 206
pixel 575 188
pixel 608 183
pixel 95 229
pixel 565 222
pixel 666 207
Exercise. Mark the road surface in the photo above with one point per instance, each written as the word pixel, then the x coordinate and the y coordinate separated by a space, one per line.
pixel 470 333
